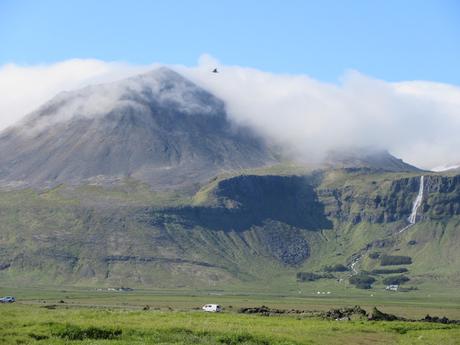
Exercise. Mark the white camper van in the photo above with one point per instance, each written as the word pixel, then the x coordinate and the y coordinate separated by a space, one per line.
pixel 214 308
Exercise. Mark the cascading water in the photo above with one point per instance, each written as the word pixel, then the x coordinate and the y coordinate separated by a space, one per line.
pixel 417 202
pixel 353 264
pixel 412 219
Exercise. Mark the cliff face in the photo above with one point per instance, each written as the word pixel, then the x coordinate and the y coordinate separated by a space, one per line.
pixel 306 202
pixel 255 227
pixel 442 197
pixel 384 201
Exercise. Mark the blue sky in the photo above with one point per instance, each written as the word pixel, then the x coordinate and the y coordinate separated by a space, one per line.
pixel 390 40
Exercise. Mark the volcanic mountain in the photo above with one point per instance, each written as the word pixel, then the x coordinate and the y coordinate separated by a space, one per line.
pixel 112 162
pixel 367 158
pixel 157 127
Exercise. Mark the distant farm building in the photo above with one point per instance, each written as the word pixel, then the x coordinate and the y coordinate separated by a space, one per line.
pixel 392 287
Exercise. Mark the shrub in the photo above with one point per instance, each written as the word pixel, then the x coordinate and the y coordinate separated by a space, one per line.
pixel 72 332
pixel 363 286
pixel 362 281
pixel 335 268
pixel 374 255
pixel 407 289
pixel 244 338
pixel 392 260
pixel 396 280
pixel 38 336
pixel 389 270
pixel 310 276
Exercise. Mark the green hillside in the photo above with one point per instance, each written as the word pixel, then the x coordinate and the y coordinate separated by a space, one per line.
pixel 256 230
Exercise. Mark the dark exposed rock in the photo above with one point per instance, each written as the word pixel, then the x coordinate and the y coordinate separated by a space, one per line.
pixel 442 184
pixel 263 310
pixel 367 160
pixel 436 319
pixel 4 266
pixel 377 315
pixel 442 196
pixel 441 199
pixel 254 200
pixel 285 244
pixel 345 313
pixel 158 127
pixel 266 311
pixel 147 259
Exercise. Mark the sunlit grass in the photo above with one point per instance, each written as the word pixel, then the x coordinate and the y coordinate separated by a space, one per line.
pixel 26 324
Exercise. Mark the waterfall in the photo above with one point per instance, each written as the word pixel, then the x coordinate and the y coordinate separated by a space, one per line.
pixel 412 219
pixel 417 202
pixel 353 264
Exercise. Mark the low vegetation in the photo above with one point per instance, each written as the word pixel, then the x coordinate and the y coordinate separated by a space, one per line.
pixel 374 255
pixel 389 270
pixel 362 281
pixel 393 260
pixel 335 268
pixel 396 280
pixel 28 324
pixel 310 276
pixel 73 332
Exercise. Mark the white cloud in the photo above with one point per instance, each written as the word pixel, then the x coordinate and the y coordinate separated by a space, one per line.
pixel 24 88
pixel 418 121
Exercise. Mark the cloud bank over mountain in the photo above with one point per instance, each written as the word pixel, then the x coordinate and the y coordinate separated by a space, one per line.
pixel 418 121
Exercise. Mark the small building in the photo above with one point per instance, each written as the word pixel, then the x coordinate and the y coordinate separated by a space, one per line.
pixel 392 287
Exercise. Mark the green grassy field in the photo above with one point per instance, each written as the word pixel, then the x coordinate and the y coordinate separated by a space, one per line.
pixel 45 241
pixel 81 316
pixel 414 304
pixel 27 324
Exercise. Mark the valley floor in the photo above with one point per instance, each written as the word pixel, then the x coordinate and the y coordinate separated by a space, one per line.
pixel 93 317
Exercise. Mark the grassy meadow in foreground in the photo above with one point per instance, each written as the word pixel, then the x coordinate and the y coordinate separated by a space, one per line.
pixel 32 324
pixel 82 316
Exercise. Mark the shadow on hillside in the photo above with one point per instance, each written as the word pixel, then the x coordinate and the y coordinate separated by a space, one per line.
pixel 288 199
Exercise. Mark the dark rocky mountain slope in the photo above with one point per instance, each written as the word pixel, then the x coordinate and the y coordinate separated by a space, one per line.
pixel 157 127
pixel 112 163
pixel 368 158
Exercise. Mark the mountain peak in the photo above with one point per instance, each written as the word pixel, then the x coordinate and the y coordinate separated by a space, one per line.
pixel 157 127
pixel 164 73
pixel 161 87
pixel 367 158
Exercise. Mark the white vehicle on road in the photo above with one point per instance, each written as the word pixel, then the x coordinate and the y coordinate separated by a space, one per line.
pixel 7 299
pixel 213 308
